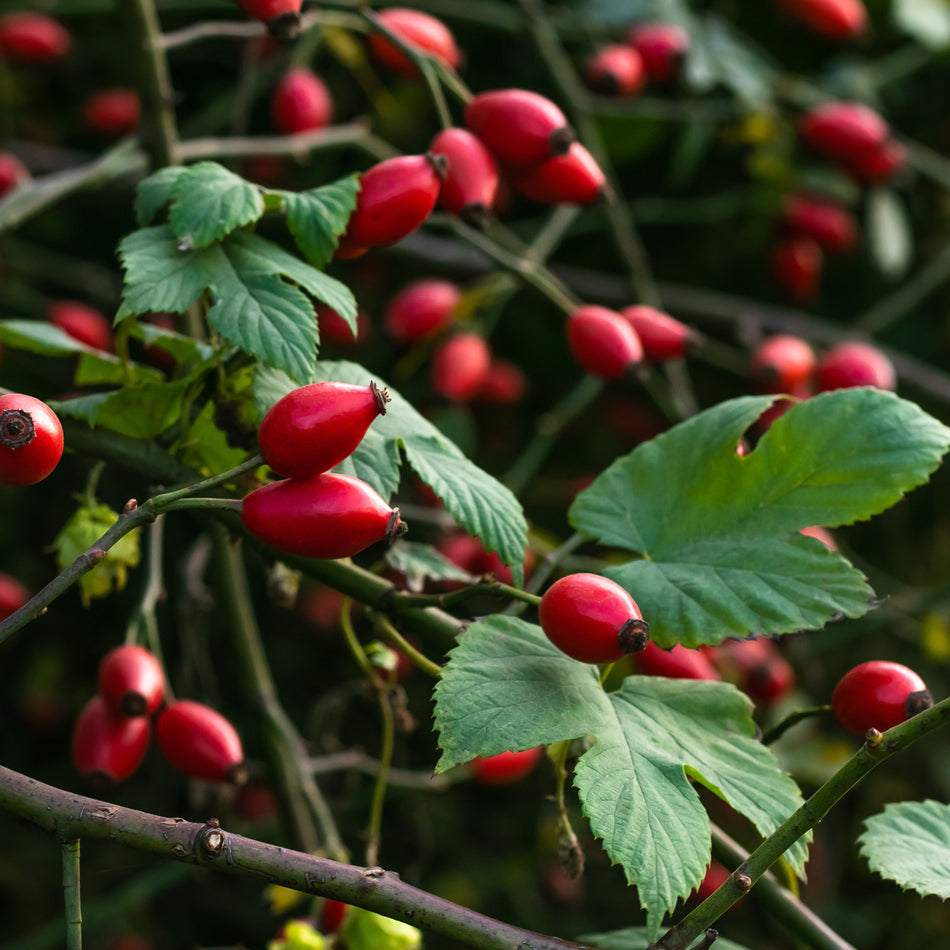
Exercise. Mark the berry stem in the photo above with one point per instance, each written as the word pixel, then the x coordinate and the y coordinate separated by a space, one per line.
pixel 382 623
pixel 71 894
pixel 792 719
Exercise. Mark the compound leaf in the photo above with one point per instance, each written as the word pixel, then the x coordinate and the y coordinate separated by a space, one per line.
pixel 717 532
pixel 909 842
pixel 318 217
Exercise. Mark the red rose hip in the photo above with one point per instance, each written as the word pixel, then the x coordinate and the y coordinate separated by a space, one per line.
pixel 301 102
pixel 855 364
pixel 199 742
pixel 602 342
pixel 834 228
pixel 460 366
pixel 471 179
pixel 81 322
pixel 573 178
pixel 504 768
pixel 663 337
pixel 282 17
pixel 835 19
pixel 131 681
pixel 797 263
pixel 841 131
pixel 662 47
pixel 782 364
pixel 315 427
pixel 31 440
pixel 421 309
pixel 13 595
pixel 107 747
pixel 419 30
pixel 592 619
pixel 112 113
pixel 678 663
pixel 29 37
pixel 615 70
pixel 878 695
pixel 12 172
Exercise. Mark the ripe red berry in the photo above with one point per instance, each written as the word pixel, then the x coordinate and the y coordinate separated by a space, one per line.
pixel 841 131
pixel 878 695
pixel 422 31
pixel 28 37
pixel 13 595
pixel 106 747
pixel 835 19
pixel 504 768
pixel 679 663
pixel 782 364
pixel 471 179
pixel 327 516
pixel 468 553
pixel 855 364
pixel 12 172
pixel 336 331
pixel 31 440
pixel 332 914
pixel 421 309
pixel 81 322
pixel 504 385
pixel 282 17
pixel 301 102
pixel 716 875
pixel 591 619
pixel 460 366
pixel 662 46
pixel 131 681
pixel 112 113
pixel 602 342
pixel 315 427
pixel 615 70
pixel 834 228
pixel 199 742
pixel 519 126
pixel 757 667
pixel 797 263
pixel 663 337
pixel 877 164
pixel 395 197
pixel 573 178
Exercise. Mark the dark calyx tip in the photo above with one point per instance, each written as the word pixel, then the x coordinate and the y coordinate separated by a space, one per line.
pixel 133 704
pixel 396 527
pixel 16 428
pixel 439 163
pixel 634 635
pixel 475 215
pixel 561 140
pixel 284 26
pixel 917 702
pixel 381 396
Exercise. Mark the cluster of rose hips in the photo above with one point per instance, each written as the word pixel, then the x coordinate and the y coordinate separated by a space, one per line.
pixel 650 53
pixel 312 511
pixel 113 730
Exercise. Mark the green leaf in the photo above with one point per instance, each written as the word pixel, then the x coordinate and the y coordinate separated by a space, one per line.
pixel 638 938
pixel 474 498
pixel 909 842
pixel 93 370
pixel 506 686
pixel 927 21
pixel 318 217
pixel 160 275
pixel 185 349
pixel 209 202
pixel 38 336
pixel 205 448
pixel 143 411
pixel 154 192
pixel 422 562
pixel 717 533
pixel 889 234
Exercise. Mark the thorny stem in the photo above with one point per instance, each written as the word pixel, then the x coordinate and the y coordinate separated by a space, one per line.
pixel 287 750
pixel 71 894
pixel 868 757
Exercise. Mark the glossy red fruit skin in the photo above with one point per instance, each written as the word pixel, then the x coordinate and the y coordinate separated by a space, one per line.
pixel 12 172
pixel 835 19
pixel 680 663
pixel 13 595
pixel 472 176
pixel 506 768
pixel 420 30
pixel 591 619
pixel 199 742
pixel 782 364
pixel 31 440
pixel 504 385
pixel 468 553
pixel 315 427
pixel 460 366
pixel 662 47
pixel 796 263
pixel 518 126
pixel 855 364
pixel 81 322
pixel 395 197
pixel 336 331
pixel 602 342
pixel 106 746
pixel 841 131
pixel 112 113
pixel 757 667
pixel 878 164
pixel 422 309
pixel 332 914
pixel 834 228
pixel 573 178
pixel 282 17
pixel 301 102
pixel 663 337
pixel 615 70
pixel 327 516
pixel 878 695
pixel 28 37
pixel 131 681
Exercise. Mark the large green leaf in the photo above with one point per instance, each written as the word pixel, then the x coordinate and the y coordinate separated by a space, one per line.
pixel 717 533
pixel 318 217
pixel 154 192
pixel 209 202
pixel 506 686
pixel 909 842
pixel 473 497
